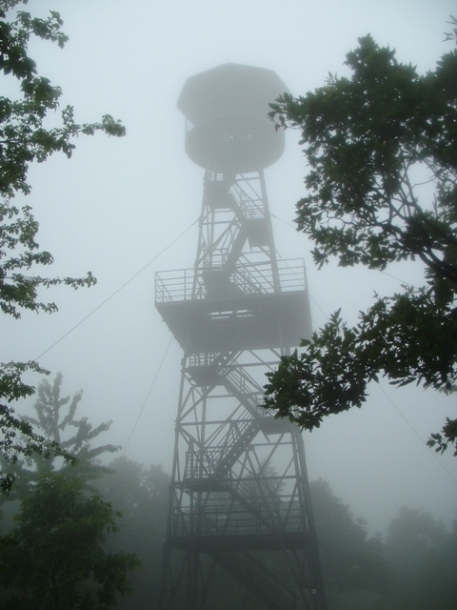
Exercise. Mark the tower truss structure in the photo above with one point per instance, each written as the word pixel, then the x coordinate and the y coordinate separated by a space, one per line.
pixel 239 495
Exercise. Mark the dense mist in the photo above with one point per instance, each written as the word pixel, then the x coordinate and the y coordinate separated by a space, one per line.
pixel 127 208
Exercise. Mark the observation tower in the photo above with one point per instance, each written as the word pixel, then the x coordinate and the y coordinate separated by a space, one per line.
pixel 239 494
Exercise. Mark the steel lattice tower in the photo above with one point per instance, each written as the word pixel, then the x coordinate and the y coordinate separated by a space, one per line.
pixel 239 496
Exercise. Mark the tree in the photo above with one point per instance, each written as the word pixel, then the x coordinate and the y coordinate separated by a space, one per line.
pixel 56 420
pixel 367 139
pixel 422 556
pixel 25 138
pixel 55 558
pixel 351 560
pixel 142 495
pixel 18 437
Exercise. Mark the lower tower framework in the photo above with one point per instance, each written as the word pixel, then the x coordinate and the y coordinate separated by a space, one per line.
pixel 239 496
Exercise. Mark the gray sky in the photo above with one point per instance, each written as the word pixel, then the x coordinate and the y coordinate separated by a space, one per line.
pixel 118 203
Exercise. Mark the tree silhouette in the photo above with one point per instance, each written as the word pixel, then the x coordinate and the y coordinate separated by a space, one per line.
pixel 56 420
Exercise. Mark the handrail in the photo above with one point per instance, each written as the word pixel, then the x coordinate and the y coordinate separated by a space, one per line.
pixel 247 279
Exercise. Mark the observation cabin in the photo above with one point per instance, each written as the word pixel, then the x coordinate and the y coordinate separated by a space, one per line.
pixel 228 128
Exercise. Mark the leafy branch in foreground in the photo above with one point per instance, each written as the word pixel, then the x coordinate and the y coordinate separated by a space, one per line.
pixel 23 135
pixel 382 188
pixel 26 137
pixel 18 230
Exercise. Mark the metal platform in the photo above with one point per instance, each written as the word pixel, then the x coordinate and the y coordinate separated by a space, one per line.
pixel 240 312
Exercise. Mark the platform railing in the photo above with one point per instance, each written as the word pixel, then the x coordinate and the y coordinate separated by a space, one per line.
pixel 250 279
pixel 226 519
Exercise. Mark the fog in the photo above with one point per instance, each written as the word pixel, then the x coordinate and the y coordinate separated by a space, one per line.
pixel 126 208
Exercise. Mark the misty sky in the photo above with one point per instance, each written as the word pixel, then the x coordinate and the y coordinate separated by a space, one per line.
pixel 117 204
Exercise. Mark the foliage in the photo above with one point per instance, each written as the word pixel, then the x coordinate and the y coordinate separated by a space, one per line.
pixel 382 188
pixel 56 419
pixel 19 251
pixel 350 559
pixel 54 558
pixel 22 133
pixel 451 35
pixel 141 494
pixel 18 436
pixel 422 556
pixel 25 137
